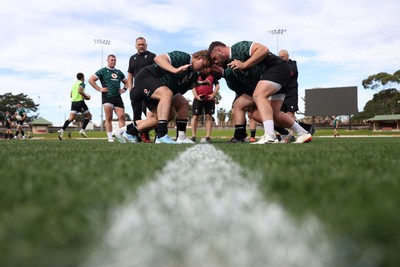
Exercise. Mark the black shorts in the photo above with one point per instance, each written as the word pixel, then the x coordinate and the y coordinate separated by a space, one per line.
pixel 79 107
pixel 115 101
pixel 290 104
pixel 279 74
pixel 146 83
pixel 198 106
pixel 8 125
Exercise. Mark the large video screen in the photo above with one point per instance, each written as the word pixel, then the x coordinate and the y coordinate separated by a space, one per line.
pixel 331 101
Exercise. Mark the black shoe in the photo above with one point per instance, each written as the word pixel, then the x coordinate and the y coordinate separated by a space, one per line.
pixel 193 138
pixel 235 141
pixel 208 139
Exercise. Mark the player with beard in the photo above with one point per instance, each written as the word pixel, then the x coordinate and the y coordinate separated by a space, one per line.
pixel 266 75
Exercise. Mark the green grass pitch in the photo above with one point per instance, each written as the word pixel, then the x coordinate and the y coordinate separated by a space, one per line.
pixel 56 197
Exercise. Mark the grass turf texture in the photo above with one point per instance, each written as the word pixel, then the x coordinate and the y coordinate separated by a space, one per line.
pixel 217 133
pixel 56 196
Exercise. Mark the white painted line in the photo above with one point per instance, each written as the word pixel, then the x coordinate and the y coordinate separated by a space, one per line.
pixel 201 211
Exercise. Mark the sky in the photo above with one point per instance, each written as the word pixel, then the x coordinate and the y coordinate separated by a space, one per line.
pixel 334 42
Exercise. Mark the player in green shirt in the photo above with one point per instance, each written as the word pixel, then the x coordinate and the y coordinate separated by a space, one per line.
pixel 111 79
pixel 20 115
pixel 8 124
pixel 335 124
pixel 267 76
pixel 162 86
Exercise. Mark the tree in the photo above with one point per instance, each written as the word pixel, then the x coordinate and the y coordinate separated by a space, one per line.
pixel 221 115
pixel 383 103
pixel 381 80
pixel 9 102
pixel 218 98
pixel 387 100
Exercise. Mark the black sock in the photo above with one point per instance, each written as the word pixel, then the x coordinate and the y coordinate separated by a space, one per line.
pixel 240 132
pixel 281 131
pixel 305 126
pixel 131 129
pixel 180 126
pixel 162 128
pixel 66 123
pixel 85 123
pixel 253 133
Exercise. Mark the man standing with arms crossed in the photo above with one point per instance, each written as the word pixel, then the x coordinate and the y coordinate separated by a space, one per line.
pixel 141 59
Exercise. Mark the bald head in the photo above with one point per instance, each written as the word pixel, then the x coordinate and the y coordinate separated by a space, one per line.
pixel 284 54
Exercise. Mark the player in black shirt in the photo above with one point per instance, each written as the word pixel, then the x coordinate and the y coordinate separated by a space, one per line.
pixel 141 59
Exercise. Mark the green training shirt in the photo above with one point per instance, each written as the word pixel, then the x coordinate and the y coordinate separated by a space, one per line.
pixel 20 111
pixel 181 82
pixel 110 78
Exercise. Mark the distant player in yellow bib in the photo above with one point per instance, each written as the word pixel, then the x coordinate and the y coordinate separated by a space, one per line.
pixel 78 105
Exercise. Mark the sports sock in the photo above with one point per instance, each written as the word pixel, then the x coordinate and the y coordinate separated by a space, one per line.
pixel 305 126
pixel 85 123
pixel 298 129
pixel 282 131
pixel 181 128
pixel 269 127
pixel 253 133
pixel 66 123
pixel 162 128
pixel 240 132
pixel 131 129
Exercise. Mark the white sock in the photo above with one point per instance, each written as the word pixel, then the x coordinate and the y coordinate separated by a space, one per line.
pixel 109 134
pixel 298 129
pixel 269 127
pixel 181 135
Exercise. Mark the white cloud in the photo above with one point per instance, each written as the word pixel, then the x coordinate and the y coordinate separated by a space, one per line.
pixel 336 43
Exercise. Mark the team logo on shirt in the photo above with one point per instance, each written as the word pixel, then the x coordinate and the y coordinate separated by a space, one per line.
pixel 114 75
pixel 147 92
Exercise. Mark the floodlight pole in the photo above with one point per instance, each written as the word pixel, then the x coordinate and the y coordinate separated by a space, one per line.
pixel 59 115
pixel 102 42
pixel 277 32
